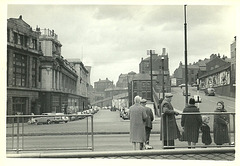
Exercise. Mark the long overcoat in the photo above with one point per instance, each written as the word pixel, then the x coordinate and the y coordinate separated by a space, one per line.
pixel 137 116
pixel 150 118
pixel 169 126
pixel 191 123
pixel 220 128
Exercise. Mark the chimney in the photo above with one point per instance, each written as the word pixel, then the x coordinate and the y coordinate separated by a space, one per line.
pixel 163 51
pixel 20 17
pixel 37 29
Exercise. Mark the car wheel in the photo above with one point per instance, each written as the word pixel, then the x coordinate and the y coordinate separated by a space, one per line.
pixel 66 121
pixel 48 121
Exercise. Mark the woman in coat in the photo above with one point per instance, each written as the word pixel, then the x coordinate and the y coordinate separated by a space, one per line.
pixel 137 116
pixel 191 124
pixel 220 125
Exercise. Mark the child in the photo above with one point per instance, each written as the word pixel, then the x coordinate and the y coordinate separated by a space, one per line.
pixel 206 137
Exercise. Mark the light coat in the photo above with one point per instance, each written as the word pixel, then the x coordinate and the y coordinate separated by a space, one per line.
pixel 137 116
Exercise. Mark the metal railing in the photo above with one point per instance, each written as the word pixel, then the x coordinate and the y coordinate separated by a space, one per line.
pixel 231 130
pixel 19 121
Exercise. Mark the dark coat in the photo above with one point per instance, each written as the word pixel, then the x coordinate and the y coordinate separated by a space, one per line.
pixel 206 137
pixel 220 128
pixel 191 123
pixel 137 116
pixel 148 122
pixel 168 124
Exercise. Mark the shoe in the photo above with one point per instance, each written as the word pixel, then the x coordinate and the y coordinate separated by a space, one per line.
pixel 148 147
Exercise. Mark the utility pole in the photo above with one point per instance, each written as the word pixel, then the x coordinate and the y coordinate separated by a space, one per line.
pixel 151 52
pixel 186 67
pixel 151 76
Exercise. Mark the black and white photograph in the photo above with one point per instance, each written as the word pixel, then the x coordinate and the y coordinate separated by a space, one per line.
pixel 129 82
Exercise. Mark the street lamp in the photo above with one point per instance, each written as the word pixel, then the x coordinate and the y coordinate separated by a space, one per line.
pixel 186 67
pixel 151 52
pixel 163 91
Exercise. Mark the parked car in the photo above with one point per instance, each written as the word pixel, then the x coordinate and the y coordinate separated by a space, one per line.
pixel 125 114
pixel 210 91
pixel 194 85
pixel 197 98
pixel 183 85
pixel 44 119
pixel 58 119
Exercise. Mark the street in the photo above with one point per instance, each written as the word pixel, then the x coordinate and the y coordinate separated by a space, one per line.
pixel 111 132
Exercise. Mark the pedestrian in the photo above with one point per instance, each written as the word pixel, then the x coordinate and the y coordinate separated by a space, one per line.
pixel 220 125
pixel 169 128
pixel 148 122
pixel 206 137
pixel 137 116
pixel 191 123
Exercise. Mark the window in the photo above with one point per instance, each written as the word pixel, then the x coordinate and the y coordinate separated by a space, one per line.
pixel 34 72
pixel 15 38
pixel 19 70
pixel 19 105
pixel 34 42
pixel 134 85
pixel 143 85
pixel 25 41
pixel 21 39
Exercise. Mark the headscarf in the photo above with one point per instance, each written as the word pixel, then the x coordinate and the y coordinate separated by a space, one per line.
pixel 221 102
pixel 221 110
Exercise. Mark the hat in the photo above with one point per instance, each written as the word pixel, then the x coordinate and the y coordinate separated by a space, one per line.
pixel 168 95
pixel 192 101
pixel 143 101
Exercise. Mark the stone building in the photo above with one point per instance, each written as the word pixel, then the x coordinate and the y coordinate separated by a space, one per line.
pixel 23 67
pixel 99 88
pixel 64 84
pixel 160 70
pixel 125 79
pixel 218 76
pixel 83 81
pixel 194 71
pixel 39 79
pixel 141 86
pixel 101 85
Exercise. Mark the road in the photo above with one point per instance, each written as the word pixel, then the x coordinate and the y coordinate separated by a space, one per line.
pixel 111 131
pixel 209 103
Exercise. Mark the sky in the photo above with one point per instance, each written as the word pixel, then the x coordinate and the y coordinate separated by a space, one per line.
pixel 112 39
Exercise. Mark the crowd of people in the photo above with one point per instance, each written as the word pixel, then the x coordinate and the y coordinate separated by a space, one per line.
pixel 192 122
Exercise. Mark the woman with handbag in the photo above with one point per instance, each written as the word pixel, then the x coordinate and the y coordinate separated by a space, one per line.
pixel 191 124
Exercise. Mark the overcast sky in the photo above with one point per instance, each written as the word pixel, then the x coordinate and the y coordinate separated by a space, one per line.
pixel 112 39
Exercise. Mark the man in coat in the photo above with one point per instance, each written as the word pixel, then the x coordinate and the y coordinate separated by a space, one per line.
pixel 169 129
pixel 137 116
pixel 148 122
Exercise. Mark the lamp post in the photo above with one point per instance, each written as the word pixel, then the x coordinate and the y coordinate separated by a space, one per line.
pixel 186 67
pixel 163 88
pixel 151 52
